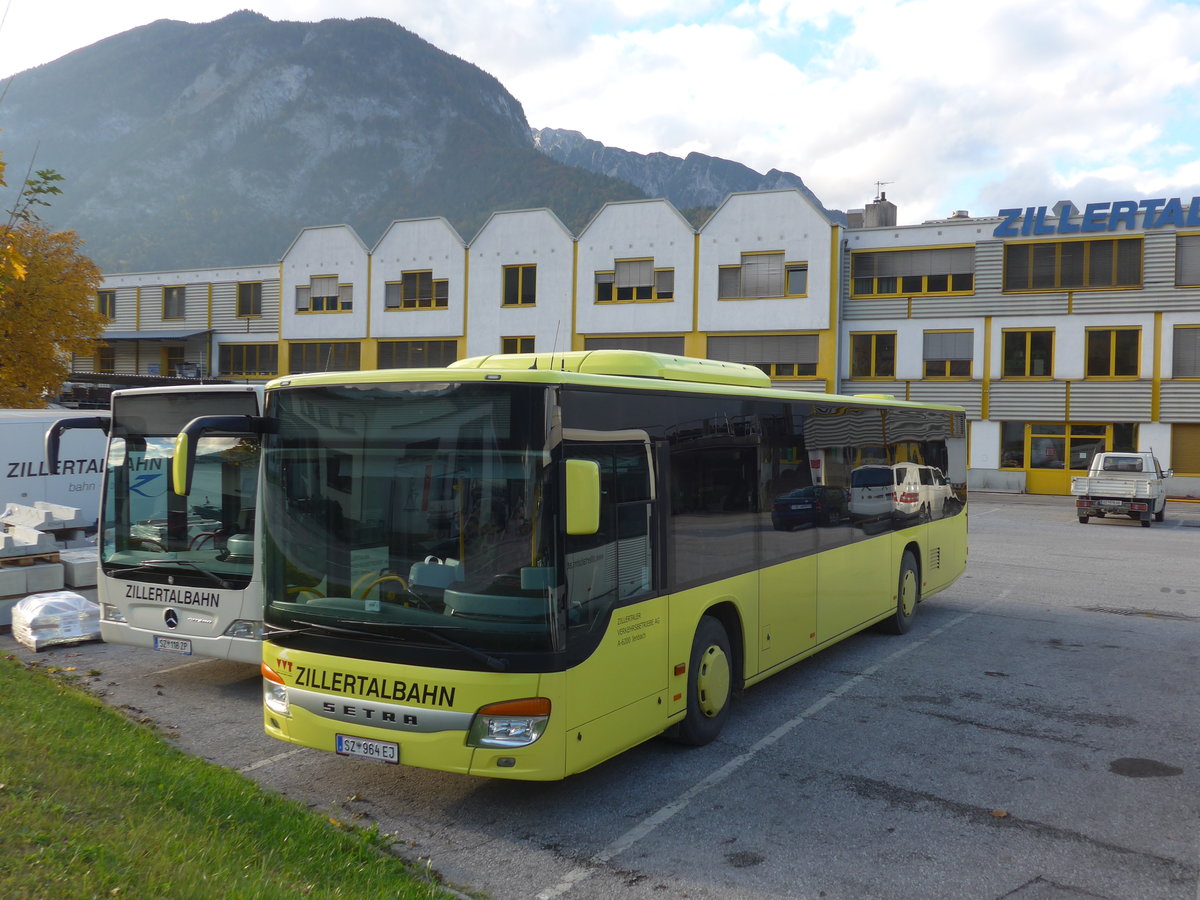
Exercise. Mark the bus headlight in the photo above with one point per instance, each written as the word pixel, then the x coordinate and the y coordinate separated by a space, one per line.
pixel 275 695
pixel 245 628
pixel 514 723
pixel 110 613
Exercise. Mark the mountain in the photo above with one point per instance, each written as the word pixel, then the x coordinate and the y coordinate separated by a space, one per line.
pixel 188 145
pixel 696 182
pixel 199 145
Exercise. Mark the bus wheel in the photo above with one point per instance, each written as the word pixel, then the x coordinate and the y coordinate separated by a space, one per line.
pixel 908 595
pixel 710 683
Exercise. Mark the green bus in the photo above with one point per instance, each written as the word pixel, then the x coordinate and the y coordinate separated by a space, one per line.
pixel 519 566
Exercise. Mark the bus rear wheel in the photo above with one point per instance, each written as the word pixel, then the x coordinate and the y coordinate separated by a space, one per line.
pixel 908 595
pixel 709 688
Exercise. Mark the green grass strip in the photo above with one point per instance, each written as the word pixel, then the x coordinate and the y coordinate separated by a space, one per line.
pixel 95 805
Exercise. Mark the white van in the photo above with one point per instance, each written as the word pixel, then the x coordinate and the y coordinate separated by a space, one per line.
pixel 872 493
pixel 921 491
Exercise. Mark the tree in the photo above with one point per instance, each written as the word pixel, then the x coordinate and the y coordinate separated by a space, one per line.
pixel 47 305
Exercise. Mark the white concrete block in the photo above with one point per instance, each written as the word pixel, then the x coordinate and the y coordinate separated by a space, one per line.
pixel 17 515
pixel 43 577
pixel 79 567
pixel 13 581
pixel 28 540
pixel 61 516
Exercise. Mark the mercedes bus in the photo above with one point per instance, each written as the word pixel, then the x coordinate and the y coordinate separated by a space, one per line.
pixel 177 574
pixel 520 566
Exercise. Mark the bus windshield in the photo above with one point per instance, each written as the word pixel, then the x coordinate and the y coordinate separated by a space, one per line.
pixel 151 534
pixel 411 514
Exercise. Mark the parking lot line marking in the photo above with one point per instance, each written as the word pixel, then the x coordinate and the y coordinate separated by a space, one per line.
pixel 666 813
pixel 278 757
pixel 186 665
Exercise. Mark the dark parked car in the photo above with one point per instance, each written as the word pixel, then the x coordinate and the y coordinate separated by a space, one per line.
pixel 812 505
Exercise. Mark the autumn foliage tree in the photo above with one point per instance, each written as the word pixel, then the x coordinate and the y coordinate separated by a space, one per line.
pixel 47 299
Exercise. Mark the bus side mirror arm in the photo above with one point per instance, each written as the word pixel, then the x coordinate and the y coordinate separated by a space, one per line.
pixel 183 465
pixel 583 496
pixel 54 435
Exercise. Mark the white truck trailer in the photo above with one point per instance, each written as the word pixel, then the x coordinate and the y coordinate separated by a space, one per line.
pixel 25 475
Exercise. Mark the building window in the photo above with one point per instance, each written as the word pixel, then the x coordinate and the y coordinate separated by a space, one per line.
pixel 106 303
pixel 417 290
pixel 1028 354
pixel 1112 352
pixel 1187 260
pixel 894 273
pixel 1073 265
pixel 249 359
pixel 516 345
pixel 249 299
pixel 948 354
pixel 781 356
pixel 635 279
pixel 323 294
pixel 106 358
pixel 1186 355
pixel 520 286
pixel 323 356
pixel 762 275
pixel 172 359
pixel 873 355
pixel 417 354
pixel 173 302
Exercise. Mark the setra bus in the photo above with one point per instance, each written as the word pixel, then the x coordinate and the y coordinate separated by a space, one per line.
pixel 519 566
pixel 177 573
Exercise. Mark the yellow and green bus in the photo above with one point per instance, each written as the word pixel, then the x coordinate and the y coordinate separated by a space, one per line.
pixel 519 566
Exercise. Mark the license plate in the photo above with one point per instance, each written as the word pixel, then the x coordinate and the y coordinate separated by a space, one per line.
pixel 1112 502
pixel 173 645
pixel 801 506
pixel 362 748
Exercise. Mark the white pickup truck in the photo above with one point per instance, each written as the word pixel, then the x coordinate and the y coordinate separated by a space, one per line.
pixel 1122 484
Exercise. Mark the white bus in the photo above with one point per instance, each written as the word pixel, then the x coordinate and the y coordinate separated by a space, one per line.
pixel 177 574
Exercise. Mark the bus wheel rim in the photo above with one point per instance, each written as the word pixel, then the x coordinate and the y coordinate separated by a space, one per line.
pixel 712 681
pixel 908 593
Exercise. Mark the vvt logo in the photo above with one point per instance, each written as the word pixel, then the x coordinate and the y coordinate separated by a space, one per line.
pixel 171 618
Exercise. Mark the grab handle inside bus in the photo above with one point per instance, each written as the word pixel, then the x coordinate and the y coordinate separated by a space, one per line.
pixel 54 435
pixel 583 496
pixel 183 466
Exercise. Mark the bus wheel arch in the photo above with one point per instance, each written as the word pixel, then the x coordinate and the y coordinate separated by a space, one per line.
pixel 712 678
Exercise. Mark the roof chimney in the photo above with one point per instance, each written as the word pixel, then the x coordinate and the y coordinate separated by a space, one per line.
pixel 880 213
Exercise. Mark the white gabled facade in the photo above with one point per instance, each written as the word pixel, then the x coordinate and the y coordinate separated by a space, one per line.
pixel 522 277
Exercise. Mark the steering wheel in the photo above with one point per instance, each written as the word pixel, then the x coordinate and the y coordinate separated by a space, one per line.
pixel 390 576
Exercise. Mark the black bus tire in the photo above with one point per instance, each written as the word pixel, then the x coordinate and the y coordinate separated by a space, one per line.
pixel 709 686
pixel 908 595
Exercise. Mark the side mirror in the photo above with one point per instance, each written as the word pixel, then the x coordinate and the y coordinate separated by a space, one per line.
pixel 54 435
pixel 583 496
pixel 183 464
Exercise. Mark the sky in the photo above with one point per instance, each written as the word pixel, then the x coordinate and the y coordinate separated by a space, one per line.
pixel 945 105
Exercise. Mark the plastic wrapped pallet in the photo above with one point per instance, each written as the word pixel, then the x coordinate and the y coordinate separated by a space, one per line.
pixel 55 617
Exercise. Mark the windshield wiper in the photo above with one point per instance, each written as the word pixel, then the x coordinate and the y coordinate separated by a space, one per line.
pixel 158 567
pixel 492 662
